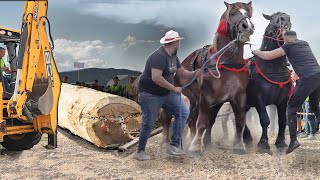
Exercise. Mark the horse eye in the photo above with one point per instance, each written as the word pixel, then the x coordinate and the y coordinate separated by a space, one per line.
pixel 232 14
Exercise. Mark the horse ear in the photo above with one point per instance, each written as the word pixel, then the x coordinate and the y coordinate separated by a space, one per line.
pixel 249 3
pixel 267 17
pixel 227 4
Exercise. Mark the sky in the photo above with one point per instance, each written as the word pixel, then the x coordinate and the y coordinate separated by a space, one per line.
pixel 123 33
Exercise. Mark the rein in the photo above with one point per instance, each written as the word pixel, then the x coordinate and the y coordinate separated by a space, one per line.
pixel 280 84
pixel 278 37
pixel 210 58
pixel 222 51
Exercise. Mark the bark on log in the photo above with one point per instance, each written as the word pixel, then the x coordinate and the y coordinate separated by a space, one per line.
pixel 100 118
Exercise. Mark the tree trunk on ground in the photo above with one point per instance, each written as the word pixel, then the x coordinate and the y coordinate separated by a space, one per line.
pixel 101 118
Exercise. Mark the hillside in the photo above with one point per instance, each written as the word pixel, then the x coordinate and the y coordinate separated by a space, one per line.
pixel 102 75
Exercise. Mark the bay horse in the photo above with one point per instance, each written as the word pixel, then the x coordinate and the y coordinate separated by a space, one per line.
pixel 270 83
pixel 232 80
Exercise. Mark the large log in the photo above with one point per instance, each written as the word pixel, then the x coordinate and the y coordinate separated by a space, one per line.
pixel 101 118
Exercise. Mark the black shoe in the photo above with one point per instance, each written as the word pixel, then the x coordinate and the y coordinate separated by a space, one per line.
pixel 292 146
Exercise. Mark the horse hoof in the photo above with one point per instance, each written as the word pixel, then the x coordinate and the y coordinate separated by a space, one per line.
pixel 263 145
pixel 264 151
pixel 207 145
pixel 195 149
pixel 239 151
pixel 248 141
pixel 281 144
pixel 249 145
pixel 196 154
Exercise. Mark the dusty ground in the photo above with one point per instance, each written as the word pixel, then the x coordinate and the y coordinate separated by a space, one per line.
pixel 77 159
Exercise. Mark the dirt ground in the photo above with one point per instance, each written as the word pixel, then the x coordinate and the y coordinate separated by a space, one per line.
pixel 77 159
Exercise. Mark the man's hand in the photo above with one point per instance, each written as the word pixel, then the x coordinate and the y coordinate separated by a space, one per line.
pixel 177 90
pixel 6 70
pixel 255 52
pixel 198 72
pixel 294 77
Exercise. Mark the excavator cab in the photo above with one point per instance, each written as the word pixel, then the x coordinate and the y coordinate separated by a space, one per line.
pixel 31 107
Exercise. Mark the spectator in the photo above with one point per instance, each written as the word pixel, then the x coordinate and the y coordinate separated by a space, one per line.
pixel 108 89
pixel 95 85
pixel 130 91
pixel 65 79
pixel 5 70
pixel 116 88
pixel 309 118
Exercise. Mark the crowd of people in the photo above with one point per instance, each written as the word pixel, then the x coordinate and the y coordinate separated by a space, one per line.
pixel 128 91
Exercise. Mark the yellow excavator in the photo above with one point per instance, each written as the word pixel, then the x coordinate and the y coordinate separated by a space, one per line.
pixel 31 107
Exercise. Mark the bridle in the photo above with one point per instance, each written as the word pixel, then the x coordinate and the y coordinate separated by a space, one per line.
pixel 277 37
pixel 278 34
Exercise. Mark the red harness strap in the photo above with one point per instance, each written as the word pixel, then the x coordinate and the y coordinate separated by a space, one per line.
pixel 281 84
pixel 291 90
pixel 221 66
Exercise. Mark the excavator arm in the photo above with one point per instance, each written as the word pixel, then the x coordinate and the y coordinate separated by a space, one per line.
pixel 37 85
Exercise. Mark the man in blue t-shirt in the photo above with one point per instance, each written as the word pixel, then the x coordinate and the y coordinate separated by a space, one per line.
pixel 156 90
pixel 307 68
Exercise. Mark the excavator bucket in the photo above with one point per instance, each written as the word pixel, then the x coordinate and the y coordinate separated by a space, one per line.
pixel 40 100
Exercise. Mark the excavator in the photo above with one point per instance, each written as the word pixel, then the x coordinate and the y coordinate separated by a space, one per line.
pixel 30 108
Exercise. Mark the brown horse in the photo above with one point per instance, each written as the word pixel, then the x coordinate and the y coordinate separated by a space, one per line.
pixel 231 82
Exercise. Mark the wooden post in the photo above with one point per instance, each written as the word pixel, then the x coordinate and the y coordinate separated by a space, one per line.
pixel 299 127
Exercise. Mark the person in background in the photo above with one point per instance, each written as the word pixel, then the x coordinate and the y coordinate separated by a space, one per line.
pixel 116 88
pixel 65 79
pixel 95 85
pixel 310 122
pixel 130 91
pixel 5 70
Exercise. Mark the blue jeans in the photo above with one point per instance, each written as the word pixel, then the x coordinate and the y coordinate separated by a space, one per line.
pixel 150 107
pixel 310 121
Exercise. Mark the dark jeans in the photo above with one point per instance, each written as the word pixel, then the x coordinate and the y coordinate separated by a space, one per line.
pixel 306 87
pixel 6 84
pixel 150 107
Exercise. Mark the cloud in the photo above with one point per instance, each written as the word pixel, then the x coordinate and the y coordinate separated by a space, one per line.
pixel 175 13
pixel 133 41
pixel 92 53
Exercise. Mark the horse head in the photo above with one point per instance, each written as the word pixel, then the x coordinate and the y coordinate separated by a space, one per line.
pixel 278 23
pixel 237 20
pixel 235 24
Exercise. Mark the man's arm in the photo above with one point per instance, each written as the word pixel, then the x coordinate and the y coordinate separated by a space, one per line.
pixel 270 55
pixel 160 80
pixel 181 72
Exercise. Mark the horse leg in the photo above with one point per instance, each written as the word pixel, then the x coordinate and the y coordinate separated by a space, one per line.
pixel 282 121
pixel 263 145
pixel 192 120
pixel 238 106
pixel 247 138
pixel 165 117
pixel 212 118
pixel 202 123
